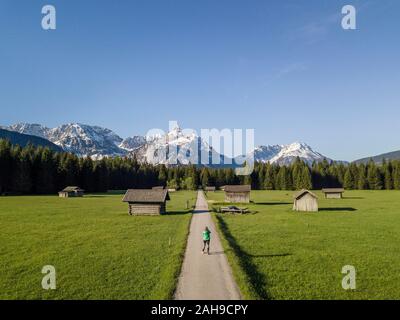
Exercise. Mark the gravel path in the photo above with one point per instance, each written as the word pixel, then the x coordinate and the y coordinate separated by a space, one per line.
pixel 205 277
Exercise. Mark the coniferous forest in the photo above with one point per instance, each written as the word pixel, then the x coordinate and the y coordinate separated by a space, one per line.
pixel 38 170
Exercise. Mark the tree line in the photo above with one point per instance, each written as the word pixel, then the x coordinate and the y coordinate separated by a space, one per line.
pixel 39 170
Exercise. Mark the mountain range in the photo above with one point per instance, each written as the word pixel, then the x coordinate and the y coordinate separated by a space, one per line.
pixel 25 139
pixel 97 142
pixel 395 155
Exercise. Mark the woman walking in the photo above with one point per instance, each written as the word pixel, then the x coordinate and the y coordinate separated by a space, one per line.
pixel 206 240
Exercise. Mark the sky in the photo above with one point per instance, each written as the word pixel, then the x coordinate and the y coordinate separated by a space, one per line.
pixel 285 68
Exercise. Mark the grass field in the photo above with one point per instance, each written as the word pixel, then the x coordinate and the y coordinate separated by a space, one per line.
pixel 98 250
pixel 278 254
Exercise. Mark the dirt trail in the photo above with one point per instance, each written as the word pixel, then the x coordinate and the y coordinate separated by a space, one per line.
pixel 205 277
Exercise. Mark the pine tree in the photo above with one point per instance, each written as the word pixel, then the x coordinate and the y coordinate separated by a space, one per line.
pixel 205 176
pixel 46 170
pixel 373 177
pixel 86 174
pixel 269 178
pixel 362 182
pixel 388 180
pixel 396 175
pixel 261 178
pixel 162 175
pixel 5 166
pixel 22 180
pixel 349 180
pixel 306 179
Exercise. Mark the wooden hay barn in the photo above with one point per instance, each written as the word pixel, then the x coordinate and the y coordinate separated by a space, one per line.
pixel 212 189
pixel 146 201
pixel 71 191
pixel 333 193
pixel 237 193
pixel 305 200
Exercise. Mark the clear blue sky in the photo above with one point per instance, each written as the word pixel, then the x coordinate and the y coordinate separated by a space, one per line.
pixel 285 68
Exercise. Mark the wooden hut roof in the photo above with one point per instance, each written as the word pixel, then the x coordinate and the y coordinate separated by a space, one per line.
pixel 237 188
pixel 72 189
pixel 146 195
pixel 300 193
pixel 158 188
pixel 333 190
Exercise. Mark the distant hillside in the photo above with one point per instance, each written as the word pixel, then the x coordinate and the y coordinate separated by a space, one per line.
pixel 24 139
pixel 395 155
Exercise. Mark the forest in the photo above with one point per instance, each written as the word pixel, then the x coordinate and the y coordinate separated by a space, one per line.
pixel 39 170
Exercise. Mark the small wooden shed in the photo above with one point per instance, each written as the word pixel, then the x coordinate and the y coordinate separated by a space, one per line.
pixel 71 191
pixel 305 200
pixel 333 193
pixel 237 193
pixel 146 201
pixel 209 188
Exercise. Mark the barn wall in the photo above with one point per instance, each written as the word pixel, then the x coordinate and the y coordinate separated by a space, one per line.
pixel 237 197
pixel 333 195
pixel 146 209
pixel 306 203
pixel 66 194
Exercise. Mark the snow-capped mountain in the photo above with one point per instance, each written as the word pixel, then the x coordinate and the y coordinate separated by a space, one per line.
pixel 286 154
pixel 175 147
pixel 80 139
pixel 33 129
pixel 132 143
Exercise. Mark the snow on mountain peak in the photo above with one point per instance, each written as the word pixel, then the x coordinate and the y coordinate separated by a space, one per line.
pixel 33 129
pixel 286 154
pixel 98 142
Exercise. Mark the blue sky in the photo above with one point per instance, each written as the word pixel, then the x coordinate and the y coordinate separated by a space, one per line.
pixel 285 68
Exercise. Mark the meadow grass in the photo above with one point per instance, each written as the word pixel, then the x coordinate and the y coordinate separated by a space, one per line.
pixel 98 250
pixel 276 253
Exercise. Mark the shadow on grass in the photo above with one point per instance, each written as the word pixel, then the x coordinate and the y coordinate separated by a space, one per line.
pixel 200 211
pixel 174 213
pixel 257 280
pixel 94 196
pixel 273 203
pixel 353 198
pixel 338 209
pixel 269 255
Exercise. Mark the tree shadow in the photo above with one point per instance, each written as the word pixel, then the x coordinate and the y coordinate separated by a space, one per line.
pixel 200 211
pixel 338 209
pixel 258 281
pixel 215 253
pixel 174 213
pixel 269 255
pixel 273 203
pixel 92 196
pixel 353 198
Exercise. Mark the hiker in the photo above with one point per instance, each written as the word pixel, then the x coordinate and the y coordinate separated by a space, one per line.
pixel 206 240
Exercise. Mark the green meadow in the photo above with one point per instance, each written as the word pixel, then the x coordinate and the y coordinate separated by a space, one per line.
pixel 276 253
pixel 97 249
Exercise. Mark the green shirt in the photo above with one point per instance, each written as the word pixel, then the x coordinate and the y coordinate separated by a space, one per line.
pixel 206 235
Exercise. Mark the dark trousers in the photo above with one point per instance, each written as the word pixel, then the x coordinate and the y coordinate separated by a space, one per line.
pixel 206 242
